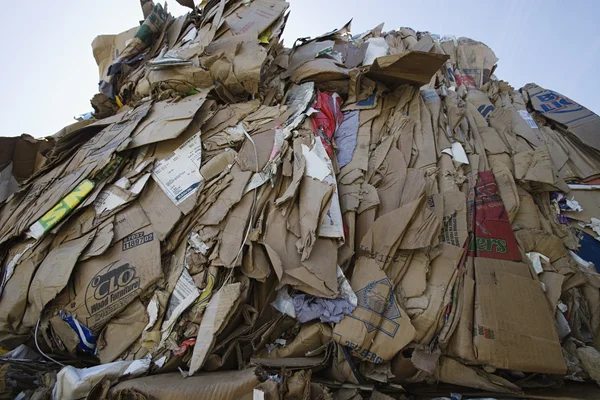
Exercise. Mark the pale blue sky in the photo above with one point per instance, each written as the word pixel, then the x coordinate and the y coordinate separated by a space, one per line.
pixel 49 73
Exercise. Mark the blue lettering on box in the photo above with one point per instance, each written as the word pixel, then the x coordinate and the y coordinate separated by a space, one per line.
pixel 552 102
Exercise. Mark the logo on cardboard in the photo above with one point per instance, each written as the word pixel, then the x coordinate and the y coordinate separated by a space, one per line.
pixel 552 102
pixel 109 290
pixel 378 297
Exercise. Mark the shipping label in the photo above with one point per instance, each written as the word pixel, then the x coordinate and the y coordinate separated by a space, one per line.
pixel 178 175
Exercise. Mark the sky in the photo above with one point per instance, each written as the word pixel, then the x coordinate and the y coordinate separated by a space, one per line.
pixel 49 73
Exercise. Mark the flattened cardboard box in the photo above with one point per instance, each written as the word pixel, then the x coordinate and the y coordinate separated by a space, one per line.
pixel 378 328
pixel 105 285
pixel 514 327
pixel 580 121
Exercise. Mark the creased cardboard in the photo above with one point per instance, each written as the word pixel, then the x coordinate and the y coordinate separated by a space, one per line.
pixel 105 285
pixel 414 68
pixel 378 328
pixel 525 340
pixel 558 108
pixel 122 331
pixel 451 371
pixel 439 284
pixel 222 385
pixel 215 316
pixel 53 274
pixel 317 274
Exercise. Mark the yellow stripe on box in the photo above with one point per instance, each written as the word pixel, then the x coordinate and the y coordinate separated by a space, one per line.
pixel 59 211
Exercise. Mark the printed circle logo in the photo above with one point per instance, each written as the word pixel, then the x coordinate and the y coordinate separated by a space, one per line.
pixel 107 282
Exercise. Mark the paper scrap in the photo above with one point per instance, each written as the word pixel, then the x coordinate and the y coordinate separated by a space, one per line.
pixel 536 261
pixel 457 152
pixel 183 296
pixel 109 199
pixel 562 306
pixel 10 267
pixel 152 311
pixel 528 118
pixel 178 175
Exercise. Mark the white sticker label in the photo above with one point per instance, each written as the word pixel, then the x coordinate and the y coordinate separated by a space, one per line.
pixel 178 175
pixel 527 117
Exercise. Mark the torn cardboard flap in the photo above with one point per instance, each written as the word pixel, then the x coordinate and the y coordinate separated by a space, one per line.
pixel 413 68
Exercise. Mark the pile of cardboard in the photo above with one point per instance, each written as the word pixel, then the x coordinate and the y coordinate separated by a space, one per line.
pixel 340 220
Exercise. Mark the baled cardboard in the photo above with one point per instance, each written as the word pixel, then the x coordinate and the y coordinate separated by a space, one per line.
pixel 316 275
pixel 517 332
pixel 15 291
pixel 461 341
pixel 122 331
pixel 108 48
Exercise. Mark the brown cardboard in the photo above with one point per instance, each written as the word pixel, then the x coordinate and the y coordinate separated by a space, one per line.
pixel 588 200
pixel 108 48
pixel 315 197
pixel 552 287
pixel 507 188
pixel 378 328
pixel 454 229
pixel 527 216
pixel 129 220
pixel 53 274
pixel 215 316
pixel 312 336
pixel 105 285
pixel 159 209
pixel 580 121
pixel 167 119
pixel 316 275
pixel 534 166
pixel 519 331
pixel 461 342
pixel 439 287
pixel 255 19
pixel 452 371
pixel 14 293
pixel 122 331
pixel 413 68
pixel 222 385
